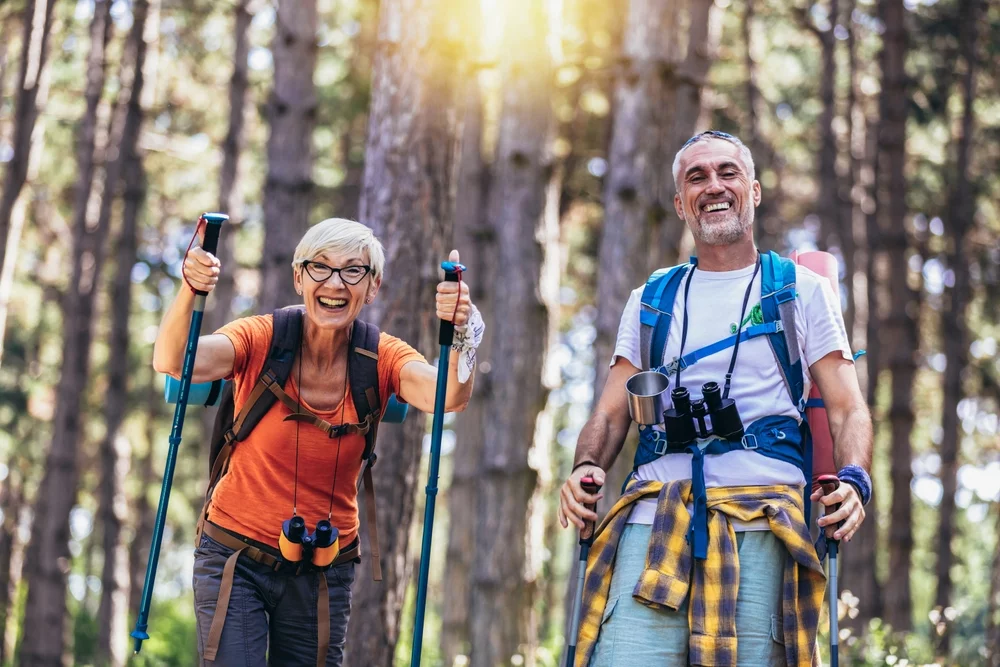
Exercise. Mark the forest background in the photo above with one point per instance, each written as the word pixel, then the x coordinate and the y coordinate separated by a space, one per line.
pixel 537 137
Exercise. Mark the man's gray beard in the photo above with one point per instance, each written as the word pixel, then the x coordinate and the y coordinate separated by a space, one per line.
pixel 729 231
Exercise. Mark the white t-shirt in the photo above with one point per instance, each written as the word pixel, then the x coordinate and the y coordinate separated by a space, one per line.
pixel 715 300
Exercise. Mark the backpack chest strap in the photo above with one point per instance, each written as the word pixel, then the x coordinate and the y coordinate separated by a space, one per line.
pixel 692 358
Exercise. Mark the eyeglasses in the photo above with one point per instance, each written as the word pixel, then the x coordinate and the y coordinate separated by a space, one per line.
pixel 349 275
pixel 709 133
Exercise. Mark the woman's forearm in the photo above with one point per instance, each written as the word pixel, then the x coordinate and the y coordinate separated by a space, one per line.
pixel 458 393
pixel 171 339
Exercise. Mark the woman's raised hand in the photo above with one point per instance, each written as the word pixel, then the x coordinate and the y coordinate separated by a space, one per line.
pixel 451 293
pixel 201 269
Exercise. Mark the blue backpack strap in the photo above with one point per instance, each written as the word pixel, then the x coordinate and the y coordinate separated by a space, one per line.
pixel 656 312
pixel 777 302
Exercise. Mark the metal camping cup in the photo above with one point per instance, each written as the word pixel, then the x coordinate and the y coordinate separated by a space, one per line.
pixel 647 397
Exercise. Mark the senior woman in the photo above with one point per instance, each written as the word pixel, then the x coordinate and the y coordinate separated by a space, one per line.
pixel 291 466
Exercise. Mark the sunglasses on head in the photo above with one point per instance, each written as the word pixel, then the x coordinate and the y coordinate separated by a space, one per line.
pixel 709 133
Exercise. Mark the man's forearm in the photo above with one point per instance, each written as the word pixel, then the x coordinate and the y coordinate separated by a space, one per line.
pixel 600 441
pixel 852 439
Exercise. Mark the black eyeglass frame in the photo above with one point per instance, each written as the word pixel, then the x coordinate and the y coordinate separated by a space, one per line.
pixel 340 272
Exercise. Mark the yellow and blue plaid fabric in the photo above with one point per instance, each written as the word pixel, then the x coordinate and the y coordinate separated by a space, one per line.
pixel 671 572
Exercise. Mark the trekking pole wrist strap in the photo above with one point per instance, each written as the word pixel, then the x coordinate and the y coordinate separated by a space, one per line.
pixel 468 337
pixel 859 478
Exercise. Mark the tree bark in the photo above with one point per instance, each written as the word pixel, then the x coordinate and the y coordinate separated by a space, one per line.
pixel 220 306
pixel 48 561
pixel 993 604
pixel 634 193
pixel 828 210
pixel 636 187
pixel 115 450
pixel 902 325
pixel 767 215
pixel 526 245
pixel 858 564
pixel 288 191
pixel 33 83
pixel 12 501
pixel 692 77
pixel 142 510
pixel 38 17
pixel 475 242
pixel 408 200
pixel 954 328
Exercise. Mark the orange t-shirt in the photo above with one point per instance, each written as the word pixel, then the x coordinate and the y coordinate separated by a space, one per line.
pixel 255 496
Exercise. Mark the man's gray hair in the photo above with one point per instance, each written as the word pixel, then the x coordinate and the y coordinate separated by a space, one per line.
pixel 714 134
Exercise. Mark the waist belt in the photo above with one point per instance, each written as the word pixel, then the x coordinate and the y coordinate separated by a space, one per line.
pixel 269 557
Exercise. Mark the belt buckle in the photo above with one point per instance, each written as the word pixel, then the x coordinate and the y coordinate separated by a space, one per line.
pixel 661 443
pixel 747 439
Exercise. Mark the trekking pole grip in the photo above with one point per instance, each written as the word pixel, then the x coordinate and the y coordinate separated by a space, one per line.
pixel 453 274
pixel 591 486
pixel 213 226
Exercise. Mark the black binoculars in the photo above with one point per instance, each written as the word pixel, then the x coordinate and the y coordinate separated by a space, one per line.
pixel 296 543
pixel 702 417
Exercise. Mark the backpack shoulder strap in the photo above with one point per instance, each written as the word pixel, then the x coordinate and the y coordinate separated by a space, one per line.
pixel 777 302
pixel 656 312
pixel 362 369
pixel 285 336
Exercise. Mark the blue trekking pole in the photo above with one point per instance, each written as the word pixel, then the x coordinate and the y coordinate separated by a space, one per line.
pixel 452 273
pixel 830 484
pixel 213 225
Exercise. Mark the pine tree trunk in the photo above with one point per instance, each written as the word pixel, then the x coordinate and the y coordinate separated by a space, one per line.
pixel 993 604
pixel 408 200
pixel 829 209
pixel 692 77
pixel 142 510
pixel 28 135
pixel 769 225
pixel 954 326
pixel 503 584
pixel 220 306
pixel 288 192
pixel 37 21
pixel 636 186
pixel 476 245
pixel 48 561
pixel 12 502
pixel 634 193
pixel 849 230
pixel 902 324
pixel 115 451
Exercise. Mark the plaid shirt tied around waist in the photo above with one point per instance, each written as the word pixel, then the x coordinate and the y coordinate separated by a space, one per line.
pixel 671 573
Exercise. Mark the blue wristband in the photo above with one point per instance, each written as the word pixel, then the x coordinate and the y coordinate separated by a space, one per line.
pixel 859 479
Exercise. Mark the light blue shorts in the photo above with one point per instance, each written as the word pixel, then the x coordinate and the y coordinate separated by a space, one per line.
pixel 634 634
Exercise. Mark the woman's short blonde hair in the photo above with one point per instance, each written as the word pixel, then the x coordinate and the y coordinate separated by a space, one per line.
pixel 341 237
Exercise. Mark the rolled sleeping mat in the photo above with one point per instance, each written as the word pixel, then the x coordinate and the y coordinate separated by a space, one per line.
pixel 202 393
pixel 395 410
pixel 824 264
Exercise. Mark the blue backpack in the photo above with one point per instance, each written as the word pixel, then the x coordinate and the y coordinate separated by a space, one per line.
pixel 779 437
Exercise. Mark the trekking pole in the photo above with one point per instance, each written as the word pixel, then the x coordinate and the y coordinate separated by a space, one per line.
pixel 586 539
pixel 213 225
pixel 452 273
pixel 830 483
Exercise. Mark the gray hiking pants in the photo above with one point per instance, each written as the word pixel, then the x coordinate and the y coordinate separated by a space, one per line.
pixel 272 617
